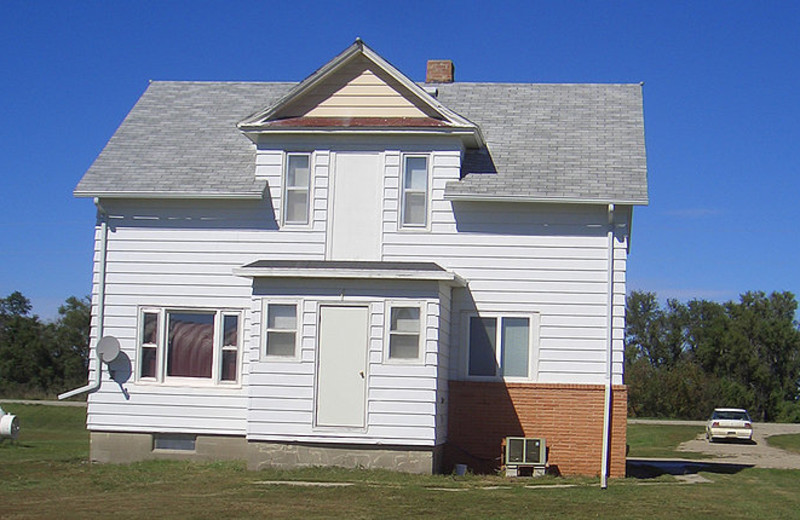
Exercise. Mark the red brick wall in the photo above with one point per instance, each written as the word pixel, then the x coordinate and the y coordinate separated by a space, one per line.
pixel 569 417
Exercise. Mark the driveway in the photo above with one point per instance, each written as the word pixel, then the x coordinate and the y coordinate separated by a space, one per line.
pixel 758 454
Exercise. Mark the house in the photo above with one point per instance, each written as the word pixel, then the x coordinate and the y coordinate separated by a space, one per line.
pixel 362 270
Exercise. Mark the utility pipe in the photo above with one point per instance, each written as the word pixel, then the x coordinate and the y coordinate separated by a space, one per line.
pixel 101 302
pixel 609 354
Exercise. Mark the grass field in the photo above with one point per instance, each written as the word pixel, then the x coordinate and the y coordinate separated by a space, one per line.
pixel 661 440
pixel 45 475
pixel 789 442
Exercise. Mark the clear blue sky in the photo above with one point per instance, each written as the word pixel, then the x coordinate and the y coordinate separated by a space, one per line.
pixel 721 97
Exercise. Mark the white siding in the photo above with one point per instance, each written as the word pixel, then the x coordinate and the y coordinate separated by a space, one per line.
pixel 551 260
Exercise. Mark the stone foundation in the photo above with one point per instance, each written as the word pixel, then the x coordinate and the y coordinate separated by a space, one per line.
pixel 293 455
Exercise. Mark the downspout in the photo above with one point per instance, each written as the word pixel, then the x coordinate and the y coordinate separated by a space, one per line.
pixel 609 353
pixel 101 302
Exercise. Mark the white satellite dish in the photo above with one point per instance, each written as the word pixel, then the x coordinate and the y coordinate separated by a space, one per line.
pixel 108 349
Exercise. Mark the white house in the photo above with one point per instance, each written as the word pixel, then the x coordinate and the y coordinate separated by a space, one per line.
pixel 358 269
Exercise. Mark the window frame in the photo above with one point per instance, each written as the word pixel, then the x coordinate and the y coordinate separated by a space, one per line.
pixel 533 346
pixel 421 336
pixel 285 189
pixel 161 377
pixel 298 329
pixel 401 210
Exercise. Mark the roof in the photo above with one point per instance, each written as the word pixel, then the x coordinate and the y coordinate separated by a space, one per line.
pixel 550 142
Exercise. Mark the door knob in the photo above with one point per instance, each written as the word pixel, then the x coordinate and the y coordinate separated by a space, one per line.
pixel 361 373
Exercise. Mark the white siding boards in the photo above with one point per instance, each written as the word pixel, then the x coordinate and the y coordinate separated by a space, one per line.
pixel 548 261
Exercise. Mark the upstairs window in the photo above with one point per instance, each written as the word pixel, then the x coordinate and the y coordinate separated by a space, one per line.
pixel 199 345
pixel 414 203
pixel 500 346
pixel 296 191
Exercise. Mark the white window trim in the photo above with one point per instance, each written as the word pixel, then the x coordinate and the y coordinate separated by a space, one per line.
pixel 262 352
pixel 423 320
pixel 285 190
pixel 533 345
pixel 215 380
pixel 401 198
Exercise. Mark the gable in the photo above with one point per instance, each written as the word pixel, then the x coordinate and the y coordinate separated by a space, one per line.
pixel 358 89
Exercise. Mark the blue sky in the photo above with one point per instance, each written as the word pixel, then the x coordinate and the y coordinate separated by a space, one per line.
pixel 721 97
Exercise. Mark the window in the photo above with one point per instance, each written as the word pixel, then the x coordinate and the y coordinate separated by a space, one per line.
pixel 148 354
pixel 512 358
pixel 281 333
pixel 202 345
pixel 404 333
pixel 414 208
pixel 296 188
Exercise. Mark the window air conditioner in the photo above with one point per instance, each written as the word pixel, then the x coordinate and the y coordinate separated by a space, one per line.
pixel 521 451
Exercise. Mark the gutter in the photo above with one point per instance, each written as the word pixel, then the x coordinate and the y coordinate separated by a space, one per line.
pixel 609 354
pixel 101 297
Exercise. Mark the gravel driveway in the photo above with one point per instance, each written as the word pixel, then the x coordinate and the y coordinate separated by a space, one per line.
pixel 759 454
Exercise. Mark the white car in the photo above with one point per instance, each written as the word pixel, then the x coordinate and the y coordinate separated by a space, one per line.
pixel 729 423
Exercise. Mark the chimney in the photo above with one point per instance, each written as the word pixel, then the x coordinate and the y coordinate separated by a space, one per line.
pixel 440 71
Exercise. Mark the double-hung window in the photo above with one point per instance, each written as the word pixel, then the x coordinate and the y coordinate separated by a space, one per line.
pixel 281 330
pixel 500 347
pixel 296 191
pixel 414 203
pixel 190 345
pixel 404 333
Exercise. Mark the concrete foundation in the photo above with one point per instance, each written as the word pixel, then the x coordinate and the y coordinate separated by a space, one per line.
pixel 121 447
pixel 116 447
pixel 281 455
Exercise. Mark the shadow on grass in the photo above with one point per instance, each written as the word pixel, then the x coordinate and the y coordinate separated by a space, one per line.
pixel 650 468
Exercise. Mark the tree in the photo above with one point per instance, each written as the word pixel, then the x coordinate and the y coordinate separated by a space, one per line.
pixel 70 348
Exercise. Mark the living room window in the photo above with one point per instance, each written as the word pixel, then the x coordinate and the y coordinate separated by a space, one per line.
pixel 414 203
pixel 189 345
pixel 500 347
pixel 297 182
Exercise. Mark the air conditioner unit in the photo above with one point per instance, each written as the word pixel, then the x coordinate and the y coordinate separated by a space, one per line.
pixel 525 451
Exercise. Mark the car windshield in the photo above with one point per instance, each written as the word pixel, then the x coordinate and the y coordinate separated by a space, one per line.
pixel 730 415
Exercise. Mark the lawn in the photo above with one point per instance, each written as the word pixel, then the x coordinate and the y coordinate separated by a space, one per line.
pixel 788 442
pixel 45 475
pixel 661 440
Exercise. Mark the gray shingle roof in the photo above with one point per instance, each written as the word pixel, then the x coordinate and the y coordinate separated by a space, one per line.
pixel 545 141
pixel 181 139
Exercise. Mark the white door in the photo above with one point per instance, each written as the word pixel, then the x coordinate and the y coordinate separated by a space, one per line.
pixel 341 378
pixel 356 218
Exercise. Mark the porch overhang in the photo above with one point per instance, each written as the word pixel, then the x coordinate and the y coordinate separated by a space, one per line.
pixel 353 270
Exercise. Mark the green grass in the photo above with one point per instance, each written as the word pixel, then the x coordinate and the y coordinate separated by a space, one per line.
pixel 45 475
pixel 788 442
pixel 661 440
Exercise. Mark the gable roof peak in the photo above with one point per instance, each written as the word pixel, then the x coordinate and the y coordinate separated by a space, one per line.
pixel 262 121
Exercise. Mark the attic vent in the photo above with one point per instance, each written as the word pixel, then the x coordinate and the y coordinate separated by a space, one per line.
pixel 440 71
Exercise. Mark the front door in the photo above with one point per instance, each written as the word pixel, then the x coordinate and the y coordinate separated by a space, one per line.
pixel 341 378
pixel 355 214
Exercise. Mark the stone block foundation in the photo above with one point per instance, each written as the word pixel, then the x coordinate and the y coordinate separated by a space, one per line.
pixel 568 416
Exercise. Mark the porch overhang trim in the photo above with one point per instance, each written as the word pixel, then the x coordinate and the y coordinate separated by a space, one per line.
pixel 351 270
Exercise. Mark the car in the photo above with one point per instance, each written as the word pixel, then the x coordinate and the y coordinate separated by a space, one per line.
pixel 729 423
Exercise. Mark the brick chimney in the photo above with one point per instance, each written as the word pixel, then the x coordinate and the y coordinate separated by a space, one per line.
pixel 440 71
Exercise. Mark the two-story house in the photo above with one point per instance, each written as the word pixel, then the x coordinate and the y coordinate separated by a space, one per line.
pixel 362 270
